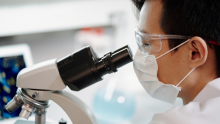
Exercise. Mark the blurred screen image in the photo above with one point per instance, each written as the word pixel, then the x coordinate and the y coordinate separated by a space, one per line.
pixel 9 69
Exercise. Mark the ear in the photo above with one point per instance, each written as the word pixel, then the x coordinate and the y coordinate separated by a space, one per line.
pixel 198 51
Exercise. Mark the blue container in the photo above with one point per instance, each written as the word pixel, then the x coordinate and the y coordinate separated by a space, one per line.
pixel 113 108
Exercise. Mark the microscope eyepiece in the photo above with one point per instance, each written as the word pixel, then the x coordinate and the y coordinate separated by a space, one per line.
pixel 122 57
pixel 113 60
pixel 84 68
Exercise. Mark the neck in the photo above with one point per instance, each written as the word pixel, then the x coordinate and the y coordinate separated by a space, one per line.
pixel 193 84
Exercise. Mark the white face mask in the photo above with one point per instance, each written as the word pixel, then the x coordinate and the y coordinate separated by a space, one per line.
pixel 146 69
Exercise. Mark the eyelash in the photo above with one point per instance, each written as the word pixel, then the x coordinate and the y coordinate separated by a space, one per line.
pixel 145 45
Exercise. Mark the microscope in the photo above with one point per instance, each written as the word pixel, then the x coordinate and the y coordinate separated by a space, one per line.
pixel 45 81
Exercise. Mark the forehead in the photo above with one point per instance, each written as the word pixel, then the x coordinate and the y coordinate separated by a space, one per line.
pixel 150 15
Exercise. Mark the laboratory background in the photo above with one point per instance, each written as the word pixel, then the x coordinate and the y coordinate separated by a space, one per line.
pixel 52 29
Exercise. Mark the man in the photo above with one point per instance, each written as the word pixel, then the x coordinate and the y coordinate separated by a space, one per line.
pixel 179 55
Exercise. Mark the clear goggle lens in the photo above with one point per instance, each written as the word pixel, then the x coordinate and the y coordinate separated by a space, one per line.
pixel 148 46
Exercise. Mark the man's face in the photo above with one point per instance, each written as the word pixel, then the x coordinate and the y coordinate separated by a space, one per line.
pixel 171 67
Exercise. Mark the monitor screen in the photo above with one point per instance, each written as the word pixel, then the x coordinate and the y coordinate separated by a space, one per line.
pixel 9 69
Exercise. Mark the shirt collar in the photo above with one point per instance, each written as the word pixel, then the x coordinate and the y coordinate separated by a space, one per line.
pixel 211 90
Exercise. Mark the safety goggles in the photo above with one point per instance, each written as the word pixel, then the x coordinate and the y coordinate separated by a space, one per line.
pixel 151 43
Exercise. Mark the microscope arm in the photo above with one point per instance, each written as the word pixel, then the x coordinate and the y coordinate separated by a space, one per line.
pixel 78 111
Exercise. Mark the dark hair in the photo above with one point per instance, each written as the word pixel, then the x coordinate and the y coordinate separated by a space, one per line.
pixel 191 18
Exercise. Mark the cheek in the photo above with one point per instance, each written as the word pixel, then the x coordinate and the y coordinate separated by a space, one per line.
pixel 165 69
pixel 169 68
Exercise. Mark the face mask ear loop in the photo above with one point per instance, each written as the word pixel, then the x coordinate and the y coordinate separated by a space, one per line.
pixel 185 77
pixel 173 49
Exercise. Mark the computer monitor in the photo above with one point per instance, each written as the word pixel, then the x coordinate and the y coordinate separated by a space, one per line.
pixel 13 58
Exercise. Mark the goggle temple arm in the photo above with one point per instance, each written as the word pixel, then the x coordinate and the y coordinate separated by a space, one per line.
pixel 214 42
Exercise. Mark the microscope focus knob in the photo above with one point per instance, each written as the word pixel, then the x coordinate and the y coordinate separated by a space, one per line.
pixel 62 121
